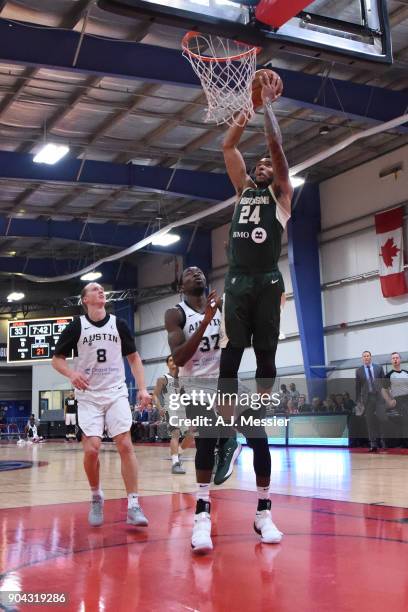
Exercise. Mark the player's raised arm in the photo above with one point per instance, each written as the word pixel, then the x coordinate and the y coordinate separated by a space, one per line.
pixel 183 350
pixel 234 162
pixel 273 136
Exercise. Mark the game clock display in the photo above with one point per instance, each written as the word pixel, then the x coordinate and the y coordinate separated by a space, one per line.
pixel 32 340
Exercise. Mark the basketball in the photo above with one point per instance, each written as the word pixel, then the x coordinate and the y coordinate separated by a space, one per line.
pixel 257 86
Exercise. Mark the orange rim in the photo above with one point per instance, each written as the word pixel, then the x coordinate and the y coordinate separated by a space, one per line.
pixel 192 34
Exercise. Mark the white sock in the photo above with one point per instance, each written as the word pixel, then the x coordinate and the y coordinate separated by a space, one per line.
pixel 174 459
pixel 263 492
pixel 97 492
pixel 133 500
pixel 203 491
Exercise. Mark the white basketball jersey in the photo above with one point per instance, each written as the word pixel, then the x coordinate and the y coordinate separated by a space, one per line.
pixel 100 355
pixel 172 387
pixel 32 431
pixel 205 363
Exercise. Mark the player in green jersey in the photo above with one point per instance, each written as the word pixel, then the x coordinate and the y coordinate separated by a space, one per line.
pixel 253 284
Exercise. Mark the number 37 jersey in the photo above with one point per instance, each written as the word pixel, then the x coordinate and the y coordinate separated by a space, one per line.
pixel 99 348
pixel 205 362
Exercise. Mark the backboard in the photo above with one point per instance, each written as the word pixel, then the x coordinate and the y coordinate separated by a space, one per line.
pixel 356 28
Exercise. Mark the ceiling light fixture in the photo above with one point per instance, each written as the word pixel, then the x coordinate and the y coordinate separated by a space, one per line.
pixel 15 296
pixel 165 239
pixel 296 181
pixel 50 154
pixel 324 130
pixel 91 276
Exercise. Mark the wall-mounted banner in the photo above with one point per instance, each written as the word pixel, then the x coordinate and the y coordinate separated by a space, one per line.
pixel 389 230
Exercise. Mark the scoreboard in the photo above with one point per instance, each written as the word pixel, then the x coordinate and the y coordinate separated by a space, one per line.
pixel 31 340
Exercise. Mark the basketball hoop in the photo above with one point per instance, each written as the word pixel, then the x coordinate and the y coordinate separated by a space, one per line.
pixel 226 69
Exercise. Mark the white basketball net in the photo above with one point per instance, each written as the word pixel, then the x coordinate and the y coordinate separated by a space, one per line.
pixel 226 69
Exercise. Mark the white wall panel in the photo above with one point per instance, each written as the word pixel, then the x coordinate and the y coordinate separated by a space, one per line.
pixel 153 345
pixel 350 373
pixel 158 269
pixel 152 373
pixel 289 354
pixel 361 300
pixel 151 314
pixel 284 268
pixel 349 256
pixel 378 339
pixel 289 324
pixel 360 191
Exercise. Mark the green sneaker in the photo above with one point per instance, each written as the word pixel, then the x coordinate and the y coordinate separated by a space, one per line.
pixel 227 454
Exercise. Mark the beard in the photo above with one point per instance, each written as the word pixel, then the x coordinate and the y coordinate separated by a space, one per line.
pixel 263 184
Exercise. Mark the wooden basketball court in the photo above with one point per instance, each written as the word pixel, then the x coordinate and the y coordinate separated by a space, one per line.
pixel 343 514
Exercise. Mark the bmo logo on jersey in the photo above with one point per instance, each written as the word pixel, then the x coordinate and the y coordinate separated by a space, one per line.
pixel 259 235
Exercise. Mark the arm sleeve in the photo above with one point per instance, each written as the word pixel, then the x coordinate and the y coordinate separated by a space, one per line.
pixel 126 338
pixel 68 340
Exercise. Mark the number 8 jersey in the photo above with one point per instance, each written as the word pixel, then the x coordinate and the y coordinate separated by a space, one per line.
pixel 99 348
pixel 205 362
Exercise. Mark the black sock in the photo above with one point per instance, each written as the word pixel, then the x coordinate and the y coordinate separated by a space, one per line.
pixel 263 504
pixel 203 506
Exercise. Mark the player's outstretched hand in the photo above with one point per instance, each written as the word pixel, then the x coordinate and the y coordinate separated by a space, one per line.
pixel 144 398
pixel 271 87
pixel 211 306
pixel 79 381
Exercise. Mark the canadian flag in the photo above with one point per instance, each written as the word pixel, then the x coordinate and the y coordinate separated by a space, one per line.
pixel 389 228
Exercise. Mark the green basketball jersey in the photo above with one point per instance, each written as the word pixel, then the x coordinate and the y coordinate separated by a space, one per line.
pixel 255 238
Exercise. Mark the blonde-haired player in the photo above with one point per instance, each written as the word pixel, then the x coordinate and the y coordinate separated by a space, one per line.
pixel 100 341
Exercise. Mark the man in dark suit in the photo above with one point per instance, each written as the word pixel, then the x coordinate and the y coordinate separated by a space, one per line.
pixel 369 382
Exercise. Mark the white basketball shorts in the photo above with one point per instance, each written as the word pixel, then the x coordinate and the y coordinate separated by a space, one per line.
pixel 100 410
pixel 70 418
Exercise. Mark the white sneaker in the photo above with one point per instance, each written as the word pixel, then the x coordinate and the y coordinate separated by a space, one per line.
pixel 266 528
pixel 95 516
pixel 201 540
pixel 177 468
pixel 135 516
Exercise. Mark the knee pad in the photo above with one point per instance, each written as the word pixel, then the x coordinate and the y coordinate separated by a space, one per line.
pixel 266 368
pixel 262 456
pixel 204 459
